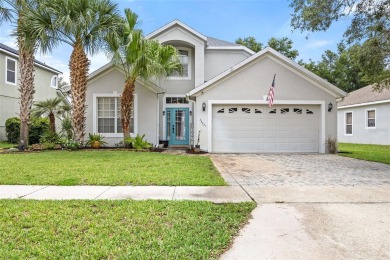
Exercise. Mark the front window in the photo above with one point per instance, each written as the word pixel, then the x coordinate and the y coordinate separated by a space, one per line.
pixel 371 118
pixel 10 76
pixel 108 115
pixel 185 60
pixel 348 123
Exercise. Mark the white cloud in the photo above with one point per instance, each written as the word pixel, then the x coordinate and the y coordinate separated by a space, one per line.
pixel 313 44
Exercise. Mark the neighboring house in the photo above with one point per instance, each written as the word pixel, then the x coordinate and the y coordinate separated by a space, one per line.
pixel 46 80
pixel 220 97
pixel 364 117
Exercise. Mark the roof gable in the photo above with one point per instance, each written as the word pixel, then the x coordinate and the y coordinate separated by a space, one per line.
pixel 364 95
pixel 296 68
pixel 176 23
pixel 109 67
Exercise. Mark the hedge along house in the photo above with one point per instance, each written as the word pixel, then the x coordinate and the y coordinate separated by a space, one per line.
pixel 220 97
pixel 46 84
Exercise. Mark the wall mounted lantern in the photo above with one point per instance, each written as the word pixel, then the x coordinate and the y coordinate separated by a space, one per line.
pixel 163 113
pixel 330 106
pixel 204 106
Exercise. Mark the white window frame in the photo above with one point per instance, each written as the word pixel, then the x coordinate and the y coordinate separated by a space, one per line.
pixel 6 70
pixel 56 86
pixel 189 65
pixel 367 110
pixel 345 123
pixel 95 121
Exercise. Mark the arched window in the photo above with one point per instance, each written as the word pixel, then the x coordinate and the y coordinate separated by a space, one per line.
pixel 54 82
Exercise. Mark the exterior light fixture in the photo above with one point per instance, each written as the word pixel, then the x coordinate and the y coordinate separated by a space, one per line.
pixel 190 113
pixel 163 113
pixel 330 106
pixel 204 106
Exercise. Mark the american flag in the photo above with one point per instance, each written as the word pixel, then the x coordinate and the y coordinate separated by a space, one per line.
pixel 271 93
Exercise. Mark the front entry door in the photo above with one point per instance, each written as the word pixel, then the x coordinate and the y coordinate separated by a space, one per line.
pixel 177 126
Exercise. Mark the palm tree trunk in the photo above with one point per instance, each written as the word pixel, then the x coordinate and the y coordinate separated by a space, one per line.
pixel 127 101
pixel 79 66
pixel 52 120
pixel 26 60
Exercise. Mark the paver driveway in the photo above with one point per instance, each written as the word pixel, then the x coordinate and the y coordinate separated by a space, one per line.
pixel 311 206
pixel 273 170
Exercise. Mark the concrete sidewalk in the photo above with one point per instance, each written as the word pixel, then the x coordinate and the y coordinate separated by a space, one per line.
pixel 216 194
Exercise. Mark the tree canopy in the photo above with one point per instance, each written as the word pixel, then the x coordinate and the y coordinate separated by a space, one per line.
pixel 370 26
pixel 251 43
pixel 283 45
pixel 341 68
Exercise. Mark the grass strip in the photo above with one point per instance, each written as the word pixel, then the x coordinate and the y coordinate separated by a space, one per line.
pixel 118 229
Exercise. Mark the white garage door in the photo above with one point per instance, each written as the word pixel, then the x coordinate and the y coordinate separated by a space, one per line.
pixel 258 128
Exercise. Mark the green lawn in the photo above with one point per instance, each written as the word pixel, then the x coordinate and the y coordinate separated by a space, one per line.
pixel 368 152
pixel 105 167
pixel 6 145
pixel 118 229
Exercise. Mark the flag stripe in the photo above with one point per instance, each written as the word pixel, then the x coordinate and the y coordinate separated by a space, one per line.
pixel 271 93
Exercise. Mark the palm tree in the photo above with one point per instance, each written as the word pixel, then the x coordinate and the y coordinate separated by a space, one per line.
pixel 17 12
pixel 51 107
pixel 138 58
pixel 83 25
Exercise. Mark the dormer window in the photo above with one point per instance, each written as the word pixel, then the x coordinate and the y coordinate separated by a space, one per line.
pixel 185 60
pixel 54 82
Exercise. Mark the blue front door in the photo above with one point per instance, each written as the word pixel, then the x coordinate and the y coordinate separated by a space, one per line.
pixel 177 126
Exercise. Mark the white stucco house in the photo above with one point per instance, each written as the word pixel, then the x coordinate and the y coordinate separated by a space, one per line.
pixel 46 84
pixel 364 117
pixel 221 97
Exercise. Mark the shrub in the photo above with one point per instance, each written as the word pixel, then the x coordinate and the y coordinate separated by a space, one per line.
pixel 12 129
pixel 72 145
pixel 137 143
pixel 38 127
pixel 49 146
pixel 50 137
pixel 67 130
pixel 331 144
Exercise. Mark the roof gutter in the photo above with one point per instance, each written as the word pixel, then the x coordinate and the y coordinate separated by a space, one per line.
pixel 36 64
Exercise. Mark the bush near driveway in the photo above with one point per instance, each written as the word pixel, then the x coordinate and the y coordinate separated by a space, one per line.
pixel 118 229
pixel 368 152
pixel 105 167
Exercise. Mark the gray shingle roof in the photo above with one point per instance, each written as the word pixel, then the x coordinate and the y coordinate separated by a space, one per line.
pixel 16 52
pixel 364 95
pixel 219 43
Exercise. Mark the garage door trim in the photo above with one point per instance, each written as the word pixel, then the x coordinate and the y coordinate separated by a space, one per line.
pixel 321 103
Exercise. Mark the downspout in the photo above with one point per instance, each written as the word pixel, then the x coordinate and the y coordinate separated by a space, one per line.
pixel 193 118
pixel 158 118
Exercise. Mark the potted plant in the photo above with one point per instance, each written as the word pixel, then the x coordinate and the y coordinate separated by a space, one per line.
pixel 95 141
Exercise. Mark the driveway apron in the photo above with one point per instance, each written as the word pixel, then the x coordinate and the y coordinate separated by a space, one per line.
pixel 310 206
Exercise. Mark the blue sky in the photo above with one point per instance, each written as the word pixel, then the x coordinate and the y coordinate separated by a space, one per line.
pixel 223 19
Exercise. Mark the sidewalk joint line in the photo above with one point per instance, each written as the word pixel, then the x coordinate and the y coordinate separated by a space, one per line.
pixel 103 192
pixel 21 197
pixel 239 184
pixel 174 191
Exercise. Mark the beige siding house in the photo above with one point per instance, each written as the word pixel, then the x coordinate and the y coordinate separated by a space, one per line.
pixel 46 80
pixel 364 117
pixel 220 98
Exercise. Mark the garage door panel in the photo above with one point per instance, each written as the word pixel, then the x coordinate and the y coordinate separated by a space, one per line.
pixel 289 129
